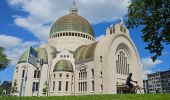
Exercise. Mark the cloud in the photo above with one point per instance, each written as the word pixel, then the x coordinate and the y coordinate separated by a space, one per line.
pixel 42 13
pixel 148 66
pixel 99 37
pixel 9 41
pixel 165 53
pixel 39 30
pixel 148 63
pixel 15 46
pixel 145 72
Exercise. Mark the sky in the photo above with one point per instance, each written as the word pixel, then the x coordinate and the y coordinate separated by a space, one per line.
pixel 28 22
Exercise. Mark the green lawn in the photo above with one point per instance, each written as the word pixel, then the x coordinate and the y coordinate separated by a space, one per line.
pixel 97 97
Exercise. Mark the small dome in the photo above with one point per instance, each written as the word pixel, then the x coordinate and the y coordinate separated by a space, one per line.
pixel 72 22
pixel 42 54
pixel 85 53
pixel 63 65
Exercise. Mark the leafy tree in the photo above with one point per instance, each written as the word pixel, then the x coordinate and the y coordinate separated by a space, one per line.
pixel 154 17
pixel 1 91
pixel 14 89
pixel 45 89
pixel 4 61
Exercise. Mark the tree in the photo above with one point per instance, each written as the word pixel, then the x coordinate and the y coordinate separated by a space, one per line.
pixel 45 89
pixel 154 17
pixel 14 89
pixel 1 91
pixel 4 61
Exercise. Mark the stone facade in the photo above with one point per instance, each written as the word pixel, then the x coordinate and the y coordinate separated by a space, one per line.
pixel 77 64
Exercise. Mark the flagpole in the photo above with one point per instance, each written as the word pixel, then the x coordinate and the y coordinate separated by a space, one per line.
pixel 25 76
pixel 41 62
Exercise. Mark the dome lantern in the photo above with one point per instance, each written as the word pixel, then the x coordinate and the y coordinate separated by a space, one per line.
pixel 74 9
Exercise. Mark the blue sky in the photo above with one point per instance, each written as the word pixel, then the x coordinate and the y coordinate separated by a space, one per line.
pixel 23 23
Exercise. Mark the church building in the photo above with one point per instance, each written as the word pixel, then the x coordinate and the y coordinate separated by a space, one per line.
pixel 73 62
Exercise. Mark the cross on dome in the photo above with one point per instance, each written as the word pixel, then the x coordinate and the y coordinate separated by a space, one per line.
pixel 73 9
pixel 74 2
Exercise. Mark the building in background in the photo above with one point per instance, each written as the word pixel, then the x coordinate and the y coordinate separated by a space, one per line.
pixel 145 86
pixel 6 87
pixel 74 63
pixel 159 82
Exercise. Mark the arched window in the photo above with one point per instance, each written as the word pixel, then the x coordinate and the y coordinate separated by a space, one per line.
pixel 92 85
pixel 59 85
pixel 23 73
pixel 122 63
pixel 66 85
pixel 69 34
pixel 83 83
pixel 64 56
pixel 36 73
pixel 83 74
pixel 121 28
pixel 83 35
pixel 53 85
pixel 88 37
pixel 92 72
pixel 54 76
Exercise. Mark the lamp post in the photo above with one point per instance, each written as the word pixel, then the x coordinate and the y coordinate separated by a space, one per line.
pixel 41 62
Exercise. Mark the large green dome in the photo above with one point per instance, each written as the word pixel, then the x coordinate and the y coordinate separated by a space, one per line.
pixel 72 22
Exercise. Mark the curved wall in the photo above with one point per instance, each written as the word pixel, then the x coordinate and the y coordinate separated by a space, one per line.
pixel 70 40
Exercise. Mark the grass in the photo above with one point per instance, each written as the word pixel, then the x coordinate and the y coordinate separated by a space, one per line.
pixel 97 97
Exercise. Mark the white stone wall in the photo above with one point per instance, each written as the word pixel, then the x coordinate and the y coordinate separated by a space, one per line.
pixel 105 73
pixel 107 48
pixel 30 79
pixel 64 78
pixel 62 55
pixel 68 42
pixel 88 66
